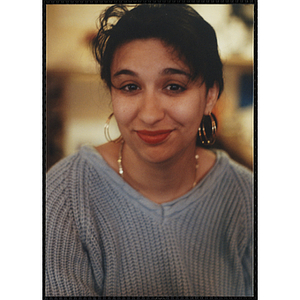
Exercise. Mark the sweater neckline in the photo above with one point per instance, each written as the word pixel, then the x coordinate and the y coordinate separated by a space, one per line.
pixel 168 209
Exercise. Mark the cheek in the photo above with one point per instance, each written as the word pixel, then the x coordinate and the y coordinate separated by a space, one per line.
pixel 123 112
pixel 190 113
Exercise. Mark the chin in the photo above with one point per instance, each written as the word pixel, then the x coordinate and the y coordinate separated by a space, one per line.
pixel 158 154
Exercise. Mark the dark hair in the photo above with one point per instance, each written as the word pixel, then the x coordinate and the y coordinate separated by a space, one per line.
pixel 176 25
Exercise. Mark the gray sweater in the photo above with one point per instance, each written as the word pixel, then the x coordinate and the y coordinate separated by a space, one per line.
pixel 103 238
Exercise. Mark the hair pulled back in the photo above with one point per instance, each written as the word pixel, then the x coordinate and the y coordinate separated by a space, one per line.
pixel 176 25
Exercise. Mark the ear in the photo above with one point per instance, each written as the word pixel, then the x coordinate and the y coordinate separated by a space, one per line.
pixel 211 98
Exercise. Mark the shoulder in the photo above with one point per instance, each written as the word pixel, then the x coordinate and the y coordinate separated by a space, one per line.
pixel 233 181
pixel 69 185
pixel 69 176
pixel 59 173
pixel 234 184
pixel 240 185
pixel 62 170
pixel 235 172
pixel 242 175
pixel 74 176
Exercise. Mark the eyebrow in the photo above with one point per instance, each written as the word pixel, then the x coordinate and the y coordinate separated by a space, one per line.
pixel 125 72
pixel 171 71
pixel 167 71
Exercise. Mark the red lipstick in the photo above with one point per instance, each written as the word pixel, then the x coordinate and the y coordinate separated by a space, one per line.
pixel 153 137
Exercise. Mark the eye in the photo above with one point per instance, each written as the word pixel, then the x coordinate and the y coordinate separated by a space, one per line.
pixel 176 88
pixel 129 87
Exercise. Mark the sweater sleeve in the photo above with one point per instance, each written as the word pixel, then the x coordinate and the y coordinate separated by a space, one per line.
pixel 247 259
pixel 248 269
pixel 68 271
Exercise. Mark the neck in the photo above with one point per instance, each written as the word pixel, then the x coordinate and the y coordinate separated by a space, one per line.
pixel 159 182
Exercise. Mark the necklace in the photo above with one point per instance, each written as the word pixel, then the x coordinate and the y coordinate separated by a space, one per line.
pixel 121 171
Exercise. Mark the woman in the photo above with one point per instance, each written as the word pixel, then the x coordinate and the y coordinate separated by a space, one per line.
pixel 152 214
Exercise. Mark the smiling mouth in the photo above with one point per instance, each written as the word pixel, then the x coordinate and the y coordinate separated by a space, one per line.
pixel 153 137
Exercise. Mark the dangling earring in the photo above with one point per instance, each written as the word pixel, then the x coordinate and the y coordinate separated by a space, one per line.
pixel 106 131
pixel 207 130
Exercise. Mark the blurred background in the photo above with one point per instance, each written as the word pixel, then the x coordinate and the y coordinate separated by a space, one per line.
pixel 78 104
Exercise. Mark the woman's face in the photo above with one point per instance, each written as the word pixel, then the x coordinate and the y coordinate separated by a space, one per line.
pixel 157 107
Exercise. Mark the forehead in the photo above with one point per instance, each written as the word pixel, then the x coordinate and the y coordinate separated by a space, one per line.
pixel 142 52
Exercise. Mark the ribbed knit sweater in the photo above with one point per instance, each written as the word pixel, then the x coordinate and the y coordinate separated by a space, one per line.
pixel 103 238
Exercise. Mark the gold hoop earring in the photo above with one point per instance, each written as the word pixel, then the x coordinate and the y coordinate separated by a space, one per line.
pixel 106 131
pixel 207 130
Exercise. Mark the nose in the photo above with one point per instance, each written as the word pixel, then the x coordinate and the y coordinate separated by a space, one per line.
pixel 151 110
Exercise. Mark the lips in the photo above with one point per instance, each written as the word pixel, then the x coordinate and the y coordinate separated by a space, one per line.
pixel 153 137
